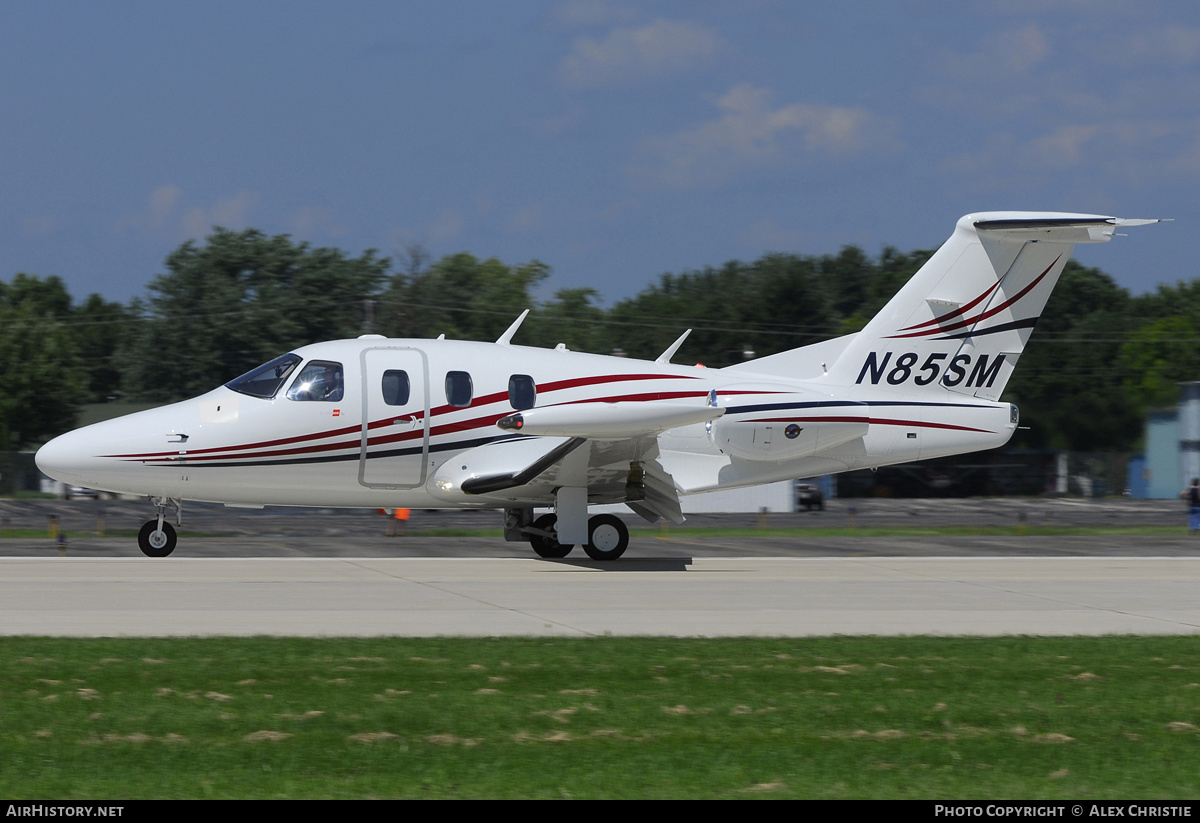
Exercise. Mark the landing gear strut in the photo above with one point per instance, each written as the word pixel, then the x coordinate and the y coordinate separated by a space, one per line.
pixel 157 538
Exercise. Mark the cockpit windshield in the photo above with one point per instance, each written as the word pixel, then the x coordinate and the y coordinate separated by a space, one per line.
pixel 265 380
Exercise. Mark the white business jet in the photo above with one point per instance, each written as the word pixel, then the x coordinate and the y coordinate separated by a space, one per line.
pixel 384 423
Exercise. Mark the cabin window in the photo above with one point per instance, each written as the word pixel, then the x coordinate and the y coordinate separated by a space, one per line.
pixel 266 379
pixel 458 389
pixel 522 393
pixel 395 387
pixel 320 380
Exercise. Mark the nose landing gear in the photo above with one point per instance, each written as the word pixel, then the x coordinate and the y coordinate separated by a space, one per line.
pixel 157 538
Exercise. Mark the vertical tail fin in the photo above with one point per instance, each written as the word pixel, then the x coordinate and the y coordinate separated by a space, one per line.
pixel 963 319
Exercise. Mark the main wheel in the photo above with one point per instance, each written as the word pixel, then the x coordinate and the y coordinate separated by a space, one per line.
pixel 608 537
pixel 155 543
pixel 548 546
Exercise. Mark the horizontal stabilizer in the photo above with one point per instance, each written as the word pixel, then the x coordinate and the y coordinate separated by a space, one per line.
pixel 1051 227
pixel 607 420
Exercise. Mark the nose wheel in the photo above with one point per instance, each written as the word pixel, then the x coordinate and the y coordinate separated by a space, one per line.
pixel 157 539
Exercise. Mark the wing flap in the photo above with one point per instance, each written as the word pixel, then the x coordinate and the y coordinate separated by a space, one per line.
pixel 661 500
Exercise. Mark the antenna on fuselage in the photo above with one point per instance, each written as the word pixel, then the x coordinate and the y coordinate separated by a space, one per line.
pixel 505 338
pixel 666 356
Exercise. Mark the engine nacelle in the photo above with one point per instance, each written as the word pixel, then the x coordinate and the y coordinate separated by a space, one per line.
pixel 783 427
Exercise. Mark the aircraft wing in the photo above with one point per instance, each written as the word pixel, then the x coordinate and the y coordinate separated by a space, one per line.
pixel 611 448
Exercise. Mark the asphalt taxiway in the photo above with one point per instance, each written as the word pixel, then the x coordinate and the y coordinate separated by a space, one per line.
pixel 333 573
pixel 678 596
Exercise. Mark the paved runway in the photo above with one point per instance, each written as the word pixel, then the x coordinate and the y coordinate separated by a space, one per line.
pixel 334 572
pixel 669 595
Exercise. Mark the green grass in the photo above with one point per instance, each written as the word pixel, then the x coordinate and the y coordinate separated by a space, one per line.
pixel 1017 717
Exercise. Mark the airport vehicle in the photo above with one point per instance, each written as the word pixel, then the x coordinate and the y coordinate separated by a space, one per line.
pixel 809 496
pixel 383 423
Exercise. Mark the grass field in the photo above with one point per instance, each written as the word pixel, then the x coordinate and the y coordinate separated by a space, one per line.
pixel 1115 717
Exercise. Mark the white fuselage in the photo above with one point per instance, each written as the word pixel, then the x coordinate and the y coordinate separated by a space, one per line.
pixel 366 449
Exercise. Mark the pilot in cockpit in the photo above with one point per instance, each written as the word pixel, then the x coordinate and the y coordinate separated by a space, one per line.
pixel 331 382
pixel 320 380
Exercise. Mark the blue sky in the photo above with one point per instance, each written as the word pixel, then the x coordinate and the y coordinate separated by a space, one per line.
pixel 613 141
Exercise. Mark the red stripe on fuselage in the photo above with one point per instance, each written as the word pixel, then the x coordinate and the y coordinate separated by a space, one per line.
pixel 486 421
pixel 484 400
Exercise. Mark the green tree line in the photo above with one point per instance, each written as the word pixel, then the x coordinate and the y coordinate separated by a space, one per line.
pixel 1098 359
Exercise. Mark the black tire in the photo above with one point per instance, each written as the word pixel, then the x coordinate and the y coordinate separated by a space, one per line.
pixel 546 546
pixel 154 543
pixel 608 537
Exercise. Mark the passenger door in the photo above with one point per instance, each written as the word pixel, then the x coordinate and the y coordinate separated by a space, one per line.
pixel 395 421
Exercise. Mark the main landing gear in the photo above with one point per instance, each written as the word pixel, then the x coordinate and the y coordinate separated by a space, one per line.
pixel 157 538
pixel 608 537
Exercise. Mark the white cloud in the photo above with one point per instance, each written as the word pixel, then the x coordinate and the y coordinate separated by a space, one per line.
pixel 167 214
pixel 1174 46
pixel 446 226
pixel 527 218
pixel 999 57
pixel 629 55
pixel 748 135
pixel 229 213
pixel 1065 147
pixel 162 203
pixel 307 221
pixel 768 235
pixel 1139 152
pixel 1003 76
pixel 38 226
pixel 593 13
pixel 160 210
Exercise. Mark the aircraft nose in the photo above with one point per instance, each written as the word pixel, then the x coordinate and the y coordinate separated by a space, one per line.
pixel 61 458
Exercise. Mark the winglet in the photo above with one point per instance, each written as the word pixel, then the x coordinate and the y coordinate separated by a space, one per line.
pixel 666 356
pixel 505 338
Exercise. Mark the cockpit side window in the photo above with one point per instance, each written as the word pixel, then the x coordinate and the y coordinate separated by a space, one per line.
pixel 320 380
pixel 266 379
